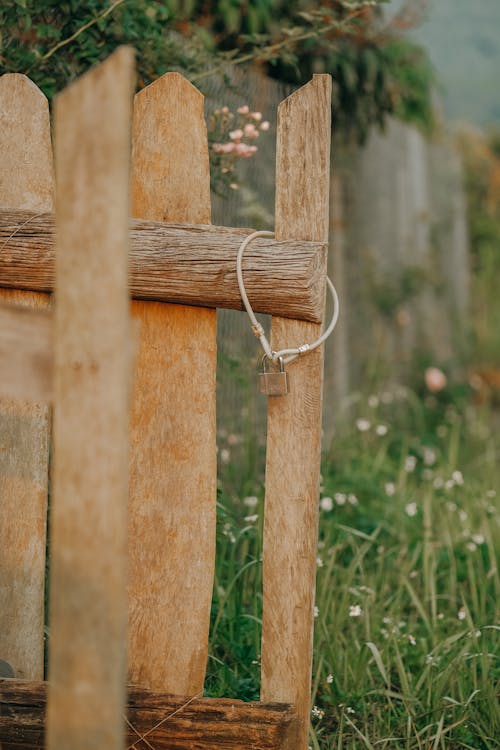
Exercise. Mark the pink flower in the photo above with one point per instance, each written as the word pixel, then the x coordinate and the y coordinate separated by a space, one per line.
pixel 257 116
pixel 244 110
pixel 235 135
pixel 435 379
pixel 251 131
pixel 264 125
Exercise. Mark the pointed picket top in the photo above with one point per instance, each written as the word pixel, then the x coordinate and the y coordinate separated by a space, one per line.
pixel 88 592
pixel 294 421
pixel 170 148
pixel 26 171
pixel 26 181
pixel 173 433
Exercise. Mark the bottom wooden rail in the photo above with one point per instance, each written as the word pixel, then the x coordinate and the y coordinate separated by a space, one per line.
pixel 157 721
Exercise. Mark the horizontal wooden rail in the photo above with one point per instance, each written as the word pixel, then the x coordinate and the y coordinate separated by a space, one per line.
pixel 167 722
pixel 183 263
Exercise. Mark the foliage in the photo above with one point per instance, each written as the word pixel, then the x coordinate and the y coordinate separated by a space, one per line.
pixel 375 72
pixel 406 635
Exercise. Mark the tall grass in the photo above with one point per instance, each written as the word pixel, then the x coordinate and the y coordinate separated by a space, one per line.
pixel 406 650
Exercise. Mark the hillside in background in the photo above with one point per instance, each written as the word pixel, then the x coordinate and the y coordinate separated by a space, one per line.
pixel 463 41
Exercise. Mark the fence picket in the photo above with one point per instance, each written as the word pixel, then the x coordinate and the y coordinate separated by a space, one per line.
pixel 173 467
pixel 26 181
pixel 294 422
pixel 88 602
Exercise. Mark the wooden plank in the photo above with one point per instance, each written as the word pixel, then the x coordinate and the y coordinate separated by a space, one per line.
pixel 294 422
pixel 173 451
pixel 25 353
pixel 190 264
pixel 26 181
pixel 181 722
pixel 88 601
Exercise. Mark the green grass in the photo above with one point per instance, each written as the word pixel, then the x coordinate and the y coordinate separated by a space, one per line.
pixel 406 648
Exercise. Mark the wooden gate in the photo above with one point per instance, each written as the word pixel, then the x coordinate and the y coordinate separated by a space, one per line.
pixel 106 365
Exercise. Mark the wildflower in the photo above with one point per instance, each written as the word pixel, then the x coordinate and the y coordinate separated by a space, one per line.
pixel 373 402
pixel 435 379
pixel 329 678
pixel 412 639
pixel 225 456
pixel 440 616
pixel 326 503
pixel 340 498
pixel 250 501
pixel 264 125
pixel 381 429
pixel 363 425
pixel 410 464
pixel 449 484
pixel 350 710
pixel 411 509
pixel 257 116
pixel 451 507
pixel 438 483
pixel 317 713
pixel 478 538
pixel 390 488
pixel 319 562
pixel 243 110
pixel 316 611
pixel 235 135
pixel 463 516
pixel 457 477
pixel 461 614
pixel 251 519
pixel 355 610
pixel 471 546
pixel 250 130
pixel 429 457
pixel 234 186
pixel 352 499
pixel 491 493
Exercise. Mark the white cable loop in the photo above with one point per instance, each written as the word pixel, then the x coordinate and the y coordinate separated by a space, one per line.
pixel 295 352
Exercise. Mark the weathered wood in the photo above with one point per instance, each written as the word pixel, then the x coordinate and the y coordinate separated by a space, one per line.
pixel 193 265
pixel 173 451
pixel 294 422
pixel 25 353
pixel 88 601
pixel 26 181
pixel 181 722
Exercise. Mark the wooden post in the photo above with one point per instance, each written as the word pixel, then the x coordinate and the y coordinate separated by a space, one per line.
pixel 173 459
pixel 294 422
pixel 88 605
pixel 26 181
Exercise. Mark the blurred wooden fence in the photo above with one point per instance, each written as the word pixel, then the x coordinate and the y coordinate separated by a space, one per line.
pixel 157 487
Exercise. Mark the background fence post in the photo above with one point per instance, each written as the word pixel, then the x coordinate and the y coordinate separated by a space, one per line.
pixel 173 452
pixel 88 603
pixel 26 181
pixel 294 422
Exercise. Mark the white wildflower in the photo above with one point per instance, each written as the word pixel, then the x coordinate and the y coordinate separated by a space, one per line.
pixel 251 501
pixel 316 611
pixel 225 456
pixel 390 488
pixel 373 402
pixel 381 429
pixel 463 515
pixel 340 498
pixel 355 610
pixel 429 457
pixel 317 713
pixel 350 710
pixel 412 639
pixel 329 678
pixel 326 503
pixel 438 483
pixel 457 477
pixel 352 499
pixel 471 546
pixel 461 614
pixel 363 425
pixel 478 538
pixel 410 464
pixel 411 509
pixel 319 562
pixel 251 519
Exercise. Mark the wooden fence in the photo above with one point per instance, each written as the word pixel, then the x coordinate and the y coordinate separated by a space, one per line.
pixel 133 488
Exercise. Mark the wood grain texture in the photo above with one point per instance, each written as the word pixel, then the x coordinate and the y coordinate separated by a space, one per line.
pixel 25 353
pixel 173 456
pixel 188 264
pixel 203 723
pixel 294 422
pixel 26 181
pixel 88 601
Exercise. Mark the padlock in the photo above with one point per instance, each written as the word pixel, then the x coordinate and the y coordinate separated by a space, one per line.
pixel 273 383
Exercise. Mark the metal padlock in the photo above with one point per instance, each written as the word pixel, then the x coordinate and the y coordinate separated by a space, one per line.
pixel 273 383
